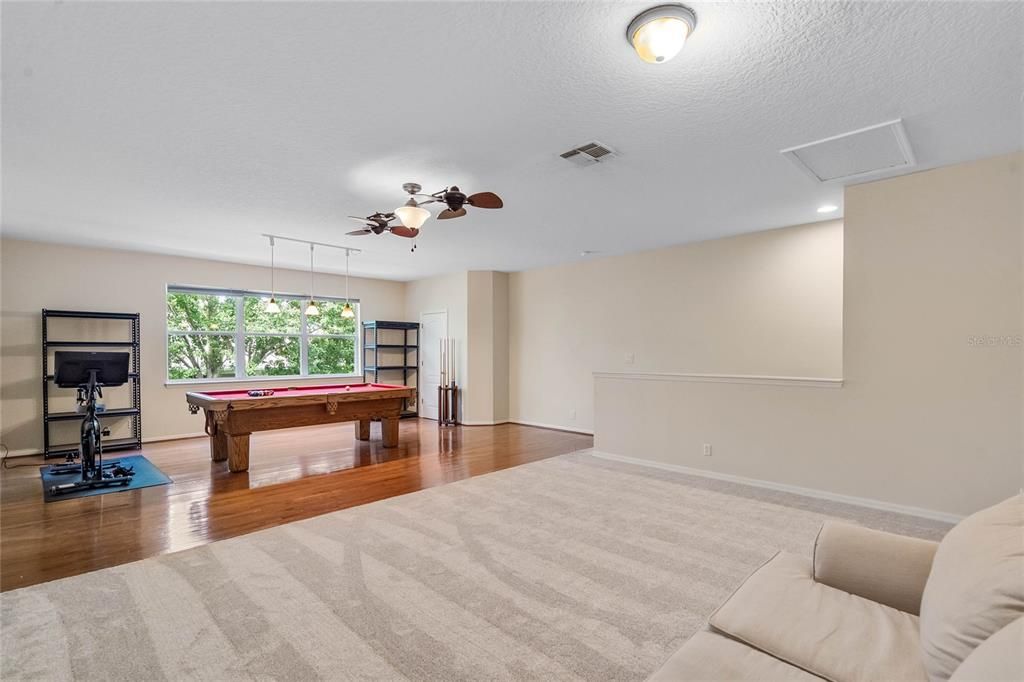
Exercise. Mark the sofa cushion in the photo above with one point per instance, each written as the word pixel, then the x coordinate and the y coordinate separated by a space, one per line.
pixel 1000 658
pixel 711 656
pixel 847 558
pixel 827 632
pixel 976 586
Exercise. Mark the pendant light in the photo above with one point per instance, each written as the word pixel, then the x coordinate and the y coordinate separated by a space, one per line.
pixel 272 306
pixel 311 309
pixel 411 215
pixel 347 311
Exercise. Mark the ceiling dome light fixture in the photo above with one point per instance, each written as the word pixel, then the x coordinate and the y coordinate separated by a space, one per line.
pixel 658 34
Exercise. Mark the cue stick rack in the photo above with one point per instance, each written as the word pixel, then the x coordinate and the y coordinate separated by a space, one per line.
pixel 448 389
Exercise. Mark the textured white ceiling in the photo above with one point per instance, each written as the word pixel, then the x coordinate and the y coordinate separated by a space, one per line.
pixel 190 128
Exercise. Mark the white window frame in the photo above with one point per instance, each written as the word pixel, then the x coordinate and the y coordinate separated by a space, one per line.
pixel 239 335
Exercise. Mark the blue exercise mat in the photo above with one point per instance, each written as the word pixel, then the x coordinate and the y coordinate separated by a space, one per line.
pixel 146 475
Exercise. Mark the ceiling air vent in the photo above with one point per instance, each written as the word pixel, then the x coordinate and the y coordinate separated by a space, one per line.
pixel 587 154
pixel 875 150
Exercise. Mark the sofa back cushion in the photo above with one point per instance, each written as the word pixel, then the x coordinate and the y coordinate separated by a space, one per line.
pixel 976 586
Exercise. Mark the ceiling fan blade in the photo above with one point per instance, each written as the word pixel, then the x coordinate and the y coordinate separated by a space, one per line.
pixel 485 200
pixel 357 233
pixel 403 231
pixel 448 213
pixel 357 219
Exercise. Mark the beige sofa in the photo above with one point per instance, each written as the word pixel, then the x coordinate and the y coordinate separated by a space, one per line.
pixel 875 606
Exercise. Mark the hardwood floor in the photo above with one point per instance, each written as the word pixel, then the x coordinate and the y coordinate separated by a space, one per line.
pixel 294 474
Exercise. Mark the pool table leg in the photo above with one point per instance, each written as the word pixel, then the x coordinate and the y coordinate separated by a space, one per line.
pixel 219 446
pixel 389 429
pixel 238 451
pixel 363 429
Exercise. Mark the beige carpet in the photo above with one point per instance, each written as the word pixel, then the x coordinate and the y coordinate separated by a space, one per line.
pixel 569 568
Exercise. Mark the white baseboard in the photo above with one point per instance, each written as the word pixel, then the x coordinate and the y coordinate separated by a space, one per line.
pixel 553 427
pixel 35 452
pixel 483 423
pixel 798 490
pixel 24 452
pixel 180 436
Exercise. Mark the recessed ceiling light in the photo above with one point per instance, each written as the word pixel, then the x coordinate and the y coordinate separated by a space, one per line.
pixel 827 208
pixel 658 34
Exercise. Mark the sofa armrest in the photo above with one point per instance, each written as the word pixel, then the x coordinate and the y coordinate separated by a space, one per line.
pixel 883 567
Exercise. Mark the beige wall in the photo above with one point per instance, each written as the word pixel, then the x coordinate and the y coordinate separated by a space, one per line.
pixel 449 293
pixel 766 303
pixel 500 368
pixel 36 276
pixel 477 307
pixel 487 388
pixel 927 417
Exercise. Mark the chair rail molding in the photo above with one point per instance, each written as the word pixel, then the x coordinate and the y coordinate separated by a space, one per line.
pixel 805 382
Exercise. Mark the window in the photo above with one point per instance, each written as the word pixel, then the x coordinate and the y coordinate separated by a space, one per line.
pixel 230 335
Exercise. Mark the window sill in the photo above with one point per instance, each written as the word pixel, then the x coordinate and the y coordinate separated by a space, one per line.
pixel 252 380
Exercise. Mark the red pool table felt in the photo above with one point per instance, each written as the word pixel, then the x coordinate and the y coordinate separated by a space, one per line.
pixel 243 394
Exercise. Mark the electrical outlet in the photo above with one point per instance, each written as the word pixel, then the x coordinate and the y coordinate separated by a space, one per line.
pixel 707 449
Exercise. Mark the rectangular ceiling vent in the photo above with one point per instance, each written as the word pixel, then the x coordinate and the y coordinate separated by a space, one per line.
pixel 587 154
pixel 875 150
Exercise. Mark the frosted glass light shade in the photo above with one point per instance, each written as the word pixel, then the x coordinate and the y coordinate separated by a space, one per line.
pixel 659 34
pixel 272 306
pixel 347 312
pixel 311 309
pixel 411 215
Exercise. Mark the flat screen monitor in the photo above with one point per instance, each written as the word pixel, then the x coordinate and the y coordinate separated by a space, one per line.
pixel 74 367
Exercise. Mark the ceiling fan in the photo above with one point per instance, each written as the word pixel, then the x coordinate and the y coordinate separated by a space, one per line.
pixel 456 200
pixel 411 216
pixel 379 223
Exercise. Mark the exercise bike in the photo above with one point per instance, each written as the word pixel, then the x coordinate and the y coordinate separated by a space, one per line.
pixel 89 373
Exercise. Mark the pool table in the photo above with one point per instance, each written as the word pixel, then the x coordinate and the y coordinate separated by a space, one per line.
pixel 232 415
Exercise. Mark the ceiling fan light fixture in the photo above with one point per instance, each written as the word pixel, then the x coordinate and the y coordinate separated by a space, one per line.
pixel 411 215
pixel 659 33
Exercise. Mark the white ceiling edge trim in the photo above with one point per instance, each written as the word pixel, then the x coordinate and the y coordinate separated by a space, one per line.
pixel 870 503
pixel 804 382
pixel 901 139
pixel 180 253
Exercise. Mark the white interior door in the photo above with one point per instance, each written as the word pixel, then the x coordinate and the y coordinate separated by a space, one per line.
pixel 433 327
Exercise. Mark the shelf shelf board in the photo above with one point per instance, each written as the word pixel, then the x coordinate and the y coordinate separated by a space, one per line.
pixel 113 412
pixel 392 346
pixel 108 444
pixel 89 344
pixel 387 324
pixel 90 314
pixel 377 368
pixel 131 375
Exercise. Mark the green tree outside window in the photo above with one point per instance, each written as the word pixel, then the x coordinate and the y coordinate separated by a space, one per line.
pixel 205 331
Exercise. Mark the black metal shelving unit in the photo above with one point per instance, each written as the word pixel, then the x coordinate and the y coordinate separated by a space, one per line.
pixel 371 342
pixel 133 411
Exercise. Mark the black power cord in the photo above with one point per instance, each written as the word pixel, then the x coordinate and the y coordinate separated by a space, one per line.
pixel 8 465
